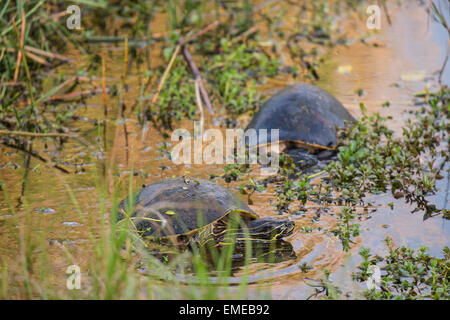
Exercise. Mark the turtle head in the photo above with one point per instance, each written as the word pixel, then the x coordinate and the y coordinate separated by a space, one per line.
pixel 270 229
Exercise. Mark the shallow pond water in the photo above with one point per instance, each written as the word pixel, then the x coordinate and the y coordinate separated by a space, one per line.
pixel 382 66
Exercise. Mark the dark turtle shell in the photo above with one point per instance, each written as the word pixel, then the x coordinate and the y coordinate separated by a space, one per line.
pixel 303 113
pixel 178 206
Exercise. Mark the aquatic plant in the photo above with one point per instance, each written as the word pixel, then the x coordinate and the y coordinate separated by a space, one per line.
pixel 372 160
pixel 406 273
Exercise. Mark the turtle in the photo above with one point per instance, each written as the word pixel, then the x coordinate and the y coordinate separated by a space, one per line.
pixel 307 117
pixel 190 210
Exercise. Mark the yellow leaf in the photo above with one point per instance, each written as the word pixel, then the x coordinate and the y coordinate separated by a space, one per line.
pixel 345 69
pixel 414 76
pixel 170 212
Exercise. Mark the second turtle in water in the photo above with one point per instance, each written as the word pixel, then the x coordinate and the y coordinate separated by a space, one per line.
pixel 306 117
pixel 199 211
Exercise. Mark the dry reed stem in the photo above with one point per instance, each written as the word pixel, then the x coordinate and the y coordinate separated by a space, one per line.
pixel 19 54
pixel 50 55
pixel 198 78
pixel 105 109
pixel 36 134
pixel 199 103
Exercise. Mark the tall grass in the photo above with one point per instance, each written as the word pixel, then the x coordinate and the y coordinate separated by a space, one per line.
pixel 32 33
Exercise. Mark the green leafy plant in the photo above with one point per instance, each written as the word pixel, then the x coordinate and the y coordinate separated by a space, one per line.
pixel 407 273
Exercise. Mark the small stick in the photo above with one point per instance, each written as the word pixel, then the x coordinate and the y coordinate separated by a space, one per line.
pixel 198 78
pixel 2 54
pixel 36 134
pixel 156 35
pixel 245 34
pixel 125 60
pixel 48 96
pixel 29 49
pixel 11 84
pixel 199 103
pixel 77 94
pixel 209 27
pixel 46 135
pixel 55 17
pixel 19 54
pixel 441 72
pixel 112 160
pixel 37 156
pixel 166 72
pixel 50 55
pixel 25 65
pixel 37 58
pixel 105 109
pixel 206 98
pixel 42 135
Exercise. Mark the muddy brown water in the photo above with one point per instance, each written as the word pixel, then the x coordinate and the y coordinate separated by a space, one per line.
pixel 406 48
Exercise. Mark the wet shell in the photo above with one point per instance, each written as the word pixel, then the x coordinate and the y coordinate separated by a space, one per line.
pixel 304 114
pixel 182 206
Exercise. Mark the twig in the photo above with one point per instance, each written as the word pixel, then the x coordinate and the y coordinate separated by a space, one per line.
pixel 47 135
pixel 35 155
pixel 105 109
pixel 209 27
pixel 245 34
pixel 198 79
pixel 199 102
pixel 2 54
pixel 11 84
pixel 50 55
pixel 125 60
pixel 154 36
pixel 206 98
pixel 36 134
pixel 49 95
pixel 55 16
pixel 436 13
pixel 25 64
pixel 37 58
pixel 77 94
pixel 19 53
pixel 445 62
pixel 29 50
pixel 166 72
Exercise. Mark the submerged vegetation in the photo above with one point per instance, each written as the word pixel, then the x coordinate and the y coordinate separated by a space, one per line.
pixel 236 55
